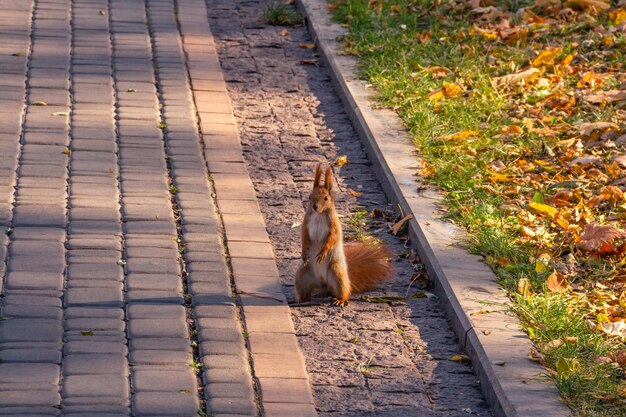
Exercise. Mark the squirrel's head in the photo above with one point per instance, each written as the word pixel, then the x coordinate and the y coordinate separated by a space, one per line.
pixel 321 198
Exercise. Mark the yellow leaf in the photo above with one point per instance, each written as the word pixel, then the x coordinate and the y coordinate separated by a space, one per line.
pixel 542 263
pixel 523 286
pixel 498 177
pixel 436 95
pixel 460 358
pixel 603 318
pixel 546 57
pixel 354 193
pixel 464 134
pixel 342 160
pixel 567 366
pixel 543 208
pixel 451 90
pixel 567 60
pixel 617 16
pixel 511 130
pixel 487 34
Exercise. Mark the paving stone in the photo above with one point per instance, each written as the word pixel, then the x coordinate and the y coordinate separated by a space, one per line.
pixel 95 272
pixel 34 280
pixel 112 297
pixel 95 386
pixel 41 375
pixel 98 364
pixel 33 398
pixel 30 355
pixel 289 410
pixel 164 381
pixel 150 404
pixel 31 330
pixel 157 327
pixel 162 358
pixel 240 406
pixel 87 345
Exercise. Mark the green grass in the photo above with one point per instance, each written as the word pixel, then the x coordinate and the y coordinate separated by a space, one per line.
pixel 398 42
pixel 278 14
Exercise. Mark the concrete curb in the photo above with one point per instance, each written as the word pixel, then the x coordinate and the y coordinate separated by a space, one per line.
pixel 478 308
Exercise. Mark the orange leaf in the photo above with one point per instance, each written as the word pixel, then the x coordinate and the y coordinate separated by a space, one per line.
pixel 511 130
pixel 589 79
pixel 284 32
pixel 451 90
pixel 556 282
pixel 436 95
pixel 617 16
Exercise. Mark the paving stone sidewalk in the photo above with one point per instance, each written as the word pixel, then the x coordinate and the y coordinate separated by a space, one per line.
pixel 137 274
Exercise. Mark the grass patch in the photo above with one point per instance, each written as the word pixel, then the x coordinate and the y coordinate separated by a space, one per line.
pixel 516 111
pixel 278 14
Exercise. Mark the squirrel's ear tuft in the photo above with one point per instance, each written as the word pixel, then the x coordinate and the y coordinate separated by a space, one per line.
pixel 328 180
pixel 318 175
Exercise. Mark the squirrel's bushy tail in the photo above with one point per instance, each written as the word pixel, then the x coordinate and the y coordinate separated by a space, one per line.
pixel 368 265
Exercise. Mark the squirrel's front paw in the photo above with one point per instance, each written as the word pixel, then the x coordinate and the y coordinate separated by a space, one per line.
pixel 321 256
pixel 341 303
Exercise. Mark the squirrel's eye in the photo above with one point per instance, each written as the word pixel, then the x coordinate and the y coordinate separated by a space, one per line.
pixel 326 198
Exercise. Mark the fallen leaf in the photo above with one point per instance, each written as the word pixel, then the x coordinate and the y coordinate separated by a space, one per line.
pixel 306 45
pixel 597 238
pixel 556 282
pixel 464 134
pixel 617 16
pixel 342 160
pixel 588 4
pixel 589 79
pixel 586 161
pixel 451 90
pixel 616 328
pixel 38 103
pixel 61 113
pixel 586 129
pixel 308 61
pixel 567 366
pixel 284 32
pixel 485 33
pixel 521 77
pixel 546 57
pixel 460 358
pixel 296 224
pixel 498 363
pixel 511 130
pixel 620 160
pixel 542 208
pixel 396 227
pixel 438 72
pixel 609 96
pixel 86 332
pixel 354 193
pixel 67 152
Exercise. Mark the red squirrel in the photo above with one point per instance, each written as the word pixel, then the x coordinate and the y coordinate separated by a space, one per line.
pixel 328 263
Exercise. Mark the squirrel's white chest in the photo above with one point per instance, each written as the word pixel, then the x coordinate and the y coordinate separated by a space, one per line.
pixel 318 228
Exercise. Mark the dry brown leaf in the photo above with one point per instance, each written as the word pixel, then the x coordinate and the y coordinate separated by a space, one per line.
pixel 355 193
pixel 620 160
pixel 616 328
pixel 609 96
pixel 586 161
pixel 586 129
pixel 521 77
pixel 588 4
pixel 556 282
pixel 599 239
pixel 284 32
pixel 306 45
pixel 308 61
pixel 439 72
pixel 396 227
pixel 511 130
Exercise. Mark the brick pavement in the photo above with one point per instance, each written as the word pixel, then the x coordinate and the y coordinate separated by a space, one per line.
pixel 138 277
pixel 117 285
